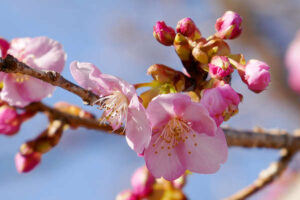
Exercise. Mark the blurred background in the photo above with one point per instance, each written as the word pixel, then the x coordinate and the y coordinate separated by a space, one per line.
pixel 117 37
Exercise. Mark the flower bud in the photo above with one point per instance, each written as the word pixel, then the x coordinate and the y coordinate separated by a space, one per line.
pixel 10 121
pixel 4 46
pixel 229 25
pixel 200 55
pixel 257 75
pixel 182 47
pixel 216 47
pixel 163 33
pixel 221 102
pixel 142 182
pixel 220 67
pixel 187 27
pixel 26 163
pixel 126 195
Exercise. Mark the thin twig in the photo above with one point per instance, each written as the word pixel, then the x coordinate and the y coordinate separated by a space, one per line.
pixel 266 177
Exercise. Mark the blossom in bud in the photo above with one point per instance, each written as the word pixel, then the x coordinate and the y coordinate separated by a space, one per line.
pixel 118 100
pixel 163 33
pixel 257 75
pixel 184 136
pixel 182 47
pixel 26 163
pixel 292 61
pixel 127 195
pixel 229 25
pixel 221 102
pixel 40 53
pixel 142 182
pixel 10 121
pixel 187 27
pixel 200 55
pixel 220 67
pixel 4 46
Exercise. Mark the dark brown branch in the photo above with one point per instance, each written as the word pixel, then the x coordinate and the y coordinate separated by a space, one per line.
pixel 12 65
pixel 266 177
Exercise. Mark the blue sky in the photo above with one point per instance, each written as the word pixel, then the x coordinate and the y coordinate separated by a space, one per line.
pixel 117 37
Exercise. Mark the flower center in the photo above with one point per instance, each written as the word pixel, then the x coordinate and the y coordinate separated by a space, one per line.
pixel 20 78
pixel 176 131
pixel 115 108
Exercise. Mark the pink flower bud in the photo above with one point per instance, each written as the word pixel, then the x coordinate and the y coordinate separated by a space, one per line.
pixel 257 75
pixel 229 25
pixel 221 102
pixel 142 182
pixel 163 33
pixel 4 46
pixel 220 67
pixel 187 27
pixel 26 163
pixel 126 195
pixel 10 121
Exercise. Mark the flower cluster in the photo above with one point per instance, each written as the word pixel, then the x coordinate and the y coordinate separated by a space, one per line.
pixel 174 126
pixel 145 186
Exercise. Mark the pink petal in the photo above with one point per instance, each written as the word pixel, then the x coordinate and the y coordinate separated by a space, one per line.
pixel 22 94
pixel 41 52
pixel 204 154
pixel 200 119
pixel 166 106
pixel 83 73
pixel 163 162
pixel 138 131
pixel 4 46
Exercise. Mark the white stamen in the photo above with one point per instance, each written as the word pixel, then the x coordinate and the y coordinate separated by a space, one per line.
pixel 115 108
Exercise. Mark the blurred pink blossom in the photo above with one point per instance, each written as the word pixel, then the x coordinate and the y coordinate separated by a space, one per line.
pixel 26 163
pixel 40 53
pixel 142 182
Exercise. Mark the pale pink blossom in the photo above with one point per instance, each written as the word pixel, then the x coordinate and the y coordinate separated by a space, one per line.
pixel 184 137
pixel 163 33
pixel 221 102
pixel 26 163
pixel 10 120
pixel 257 75
pixel 118 100
pixel 292 61
pixel 40 53
pixel 142 182
pixel 229 25
pixel 220 67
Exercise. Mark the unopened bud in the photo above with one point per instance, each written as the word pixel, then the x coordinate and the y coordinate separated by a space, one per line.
pixel 26 163
pixel 216 47
pixel 142 182
pixel 257 75
pixel 229 25
pixel 127 195
pixel 200 55
pixel 220 67
pixel 10 121
pixel 163 33
pixel 182 47
pixel 187 27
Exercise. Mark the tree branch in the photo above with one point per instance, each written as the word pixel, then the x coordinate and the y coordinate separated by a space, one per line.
pixel 11 65
pixel 265 177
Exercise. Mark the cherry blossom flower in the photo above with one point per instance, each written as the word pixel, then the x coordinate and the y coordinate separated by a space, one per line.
pixel 229 25
pixel 292 61
pixel 221 102
pixel 184 136
pixel 220 67
pixel 118 100
pixel 40 53
pixel 163 33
